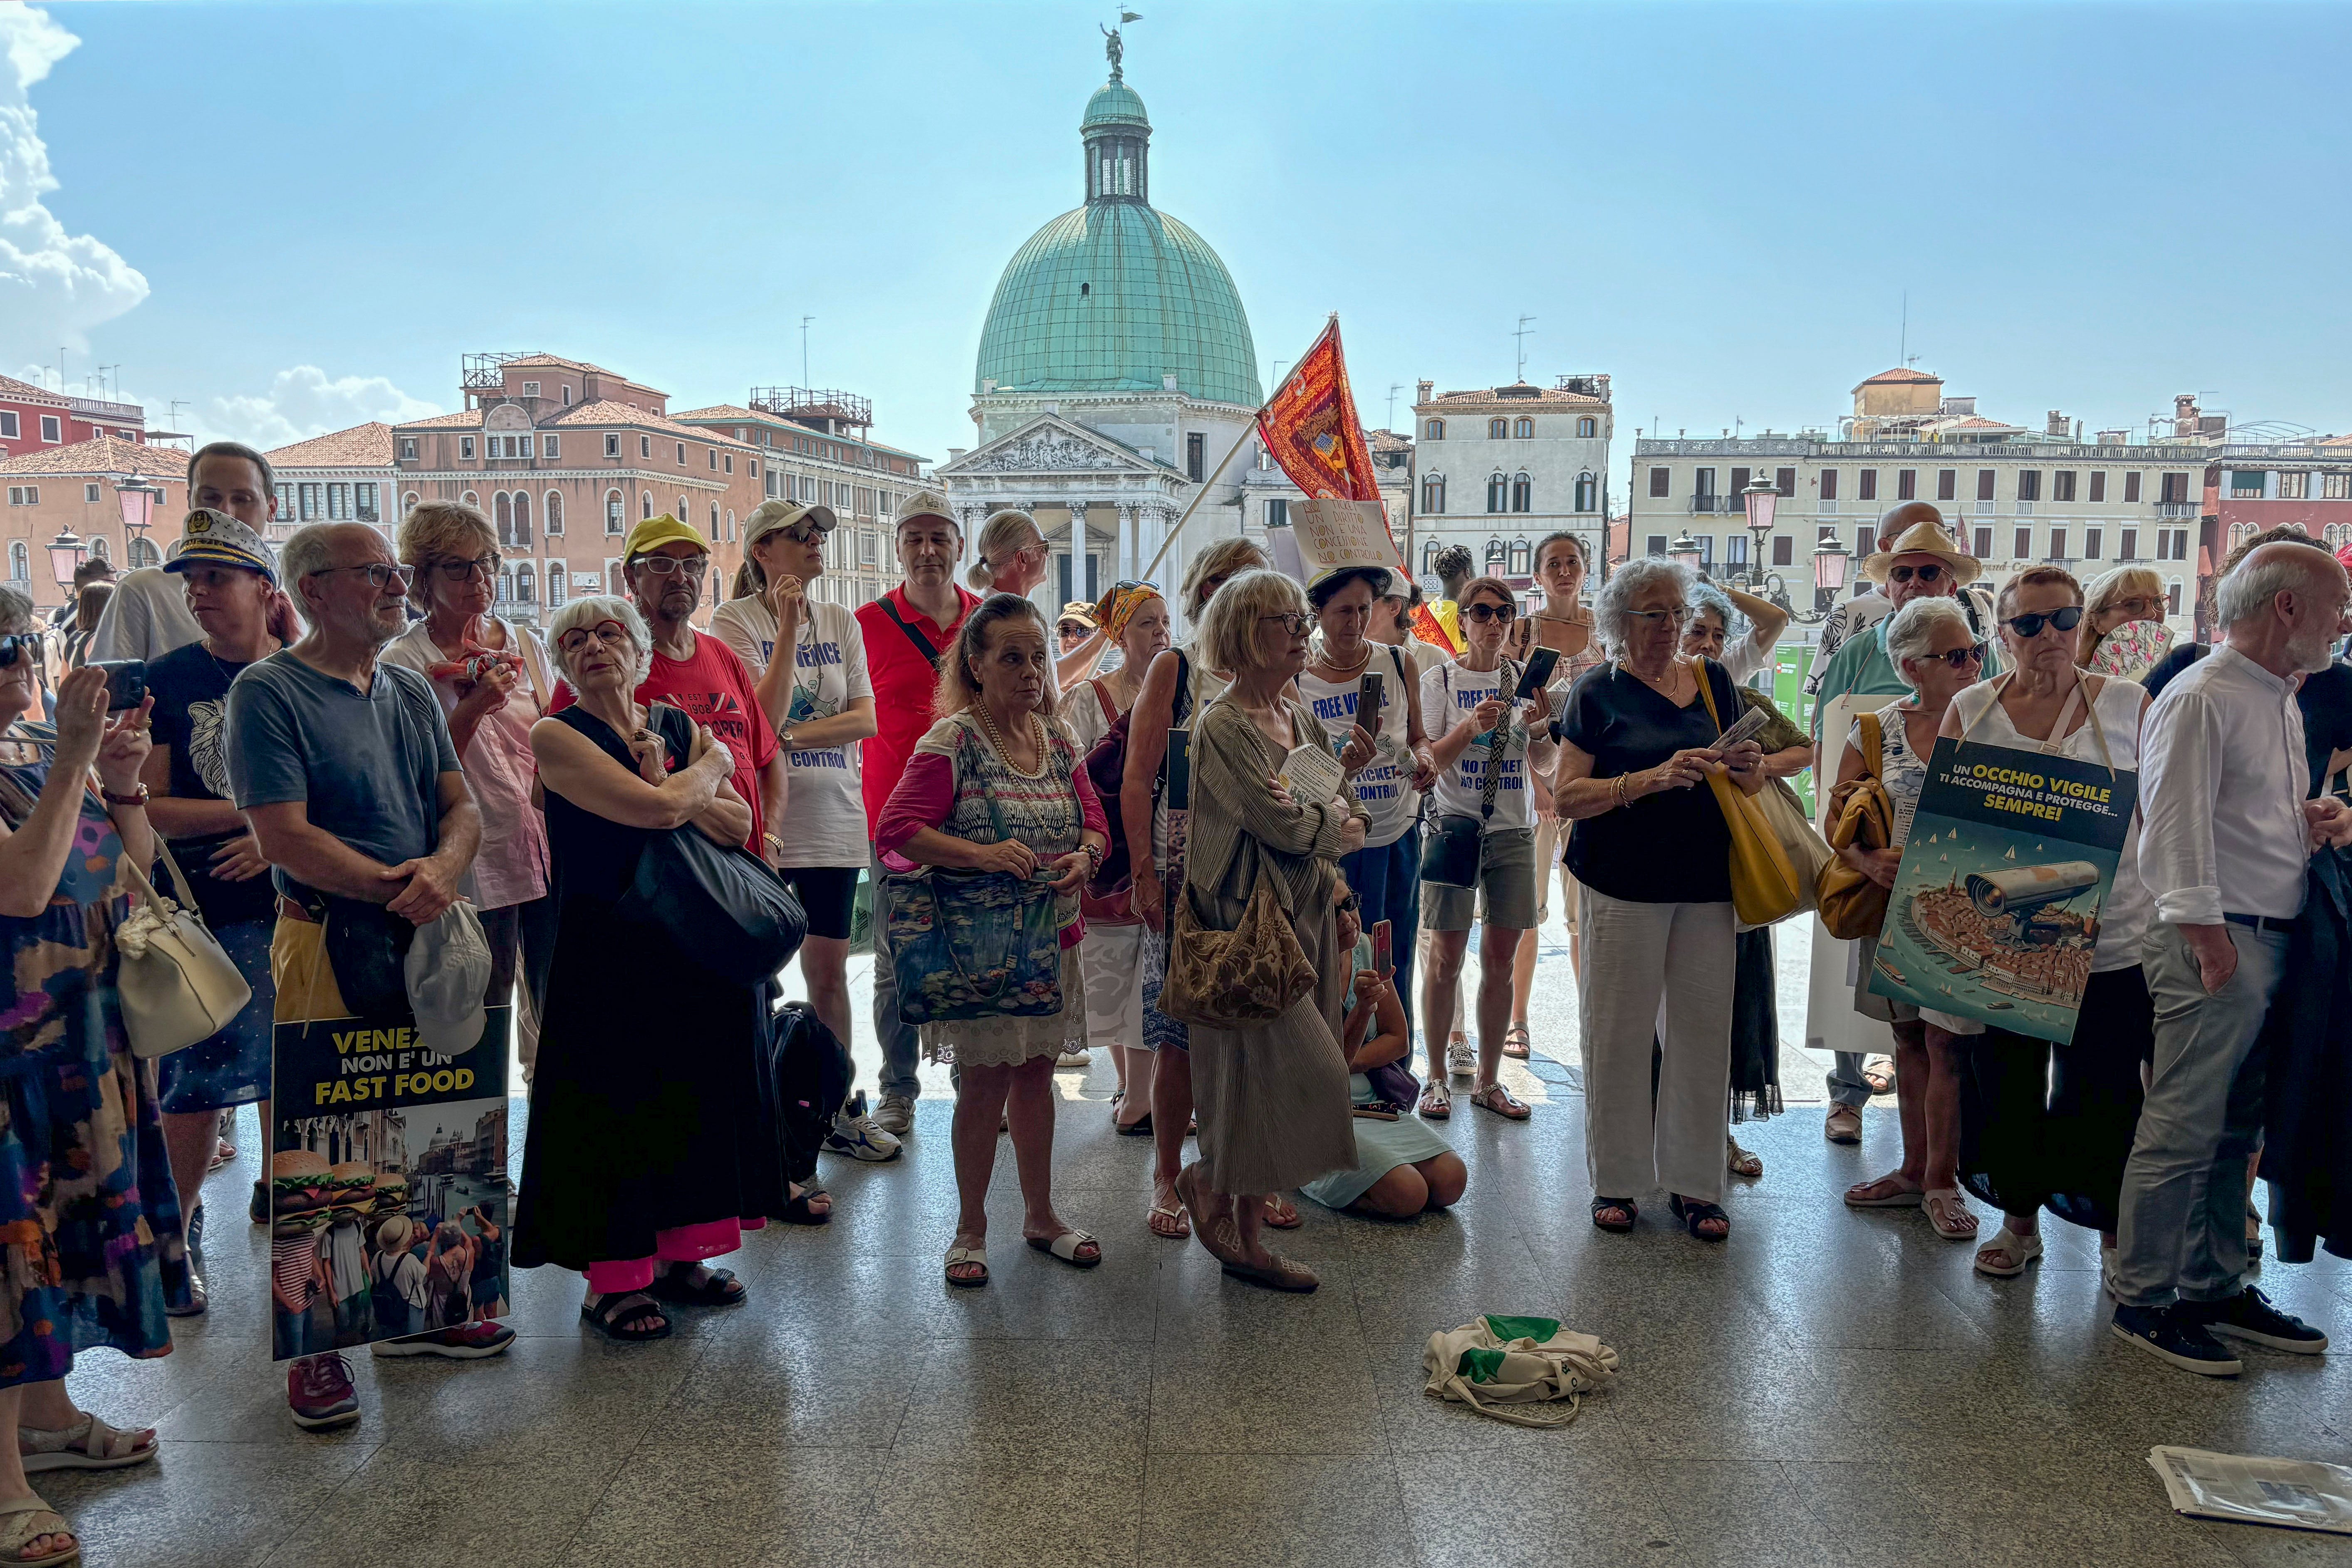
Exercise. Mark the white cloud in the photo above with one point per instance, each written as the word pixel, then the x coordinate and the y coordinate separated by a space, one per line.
pixel 302 402
pixel 54 286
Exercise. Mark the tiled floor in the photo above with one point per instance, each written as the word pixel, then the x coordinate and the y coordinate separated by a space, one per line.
pixel 1827 1388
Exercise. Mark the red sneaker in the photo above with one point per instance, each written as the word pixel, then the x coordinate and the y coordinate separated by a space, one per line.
pixel 470 1341
pixel 318 1392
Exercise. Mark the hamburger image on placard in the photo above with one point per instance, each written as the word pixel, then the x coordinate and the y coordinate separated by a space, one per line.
pixel 352 1188
pixel 390 1195
pixel 301 1188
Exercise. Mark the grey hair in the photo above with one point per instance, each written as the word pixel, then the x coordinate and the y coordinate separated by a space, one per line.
pixel 1914 628
pixel 1705 596
pixel 587 612
pixel 16 610
pixel 311 548
pixel 1616 598
pixel 2248 590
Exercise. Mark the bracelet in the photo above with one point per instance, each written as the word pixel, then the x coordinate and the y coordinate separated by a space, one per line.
pixel 1621 791
pixel 137 797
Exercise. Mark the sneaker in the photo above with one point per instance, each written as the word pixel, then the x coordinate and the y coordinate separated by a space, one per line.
pixel 193 1298
pixel 1076 1058
pixel 1461 1061
pixel 2167 1333
pixel 896 1114
pixel 856 1134
pixel 2249 1315
pixel 318 1392
pixel 470 1341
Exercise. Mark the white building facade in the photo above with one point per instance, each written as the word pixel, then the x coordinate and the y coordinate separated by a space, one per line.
pixel 1497 468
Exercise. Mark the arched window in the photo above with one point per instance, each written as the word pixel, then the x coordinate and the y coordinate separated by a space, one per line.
pixel 614 582
pixel 20 561
pixel 97 547
pixel 1522 492
pixel 714 520
pixel 1428 556
pixel 502 514
pixel 1524 430
pixel 1523 555
pixel 1432 494
pixel 1498 430
pixel 1433 430
pixel 523 584
pixel 645 504
pixel 615 512
pixel 522 520
pixel 506 587
pixel 407 503
pixel 554 586
pixel 730 525
pixel 552 511
pixel 144 553
pixel 1588 427
pixel 1499 493
pixel 1496 555
pixel 680 512
pixel 2173 597
pixel 1587 492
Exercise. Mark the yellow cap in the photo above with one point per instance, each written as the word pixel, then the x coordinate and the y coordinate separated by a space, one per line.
pixel 656 532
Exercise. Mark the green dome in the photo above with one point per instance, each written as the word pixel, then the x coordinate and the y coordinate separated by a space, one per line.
pixel 1114 103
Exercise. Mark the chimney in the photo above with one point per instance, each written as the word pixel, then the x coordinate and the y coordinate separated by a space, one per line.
pixel 2055 425
pixel 2184 417
pixel 1426 388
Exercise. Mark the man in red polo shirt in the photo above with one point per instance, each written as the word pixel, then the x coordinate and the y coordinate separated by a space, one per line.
pixel 907 632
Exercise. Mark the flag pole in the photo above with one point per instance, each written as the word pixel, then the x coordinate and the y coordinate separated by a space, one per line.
pixel 1210 483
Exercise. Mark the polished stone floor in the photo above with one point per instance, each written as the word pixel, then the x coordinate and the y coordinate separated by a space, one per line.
pixel 1828 1388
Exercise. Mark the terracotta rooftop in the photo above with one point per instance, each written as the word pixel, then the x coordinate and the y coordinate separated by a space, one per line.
pixel 563 363
pixel 723 411
pixel 26 392
pixel 1902 375
pixel 1972 422
pixel 463 419
pixel 365 446
pixel 1518 394
pixel 607 411
pixel 727 411
pixel 1388 441
pixel 104 455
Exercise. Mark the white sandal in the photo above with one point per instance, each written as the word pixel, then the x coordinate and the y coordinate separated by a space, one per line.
pixel 1741 1161
pixel 25 1519
pixel 1949 1214
pixel 89 1444
pixel 2019 1249
pixel 958 1255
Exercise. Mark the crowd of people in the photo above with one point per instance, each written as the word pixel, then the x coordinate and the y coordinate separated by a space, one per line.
pixel 1238 838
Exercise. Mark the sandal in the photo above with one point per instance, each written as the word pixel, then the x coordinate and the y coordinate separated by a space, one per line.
pixel 800 1209
pixel 1494 1097
pixel 224 1153
pixel 1281 1215
pixel 968 1257
pixel 2014 1251
pixel 88 1445
pixel 1631 1210
pixel 1881 1080
pixel 1138 1127
pixel 1436 1101
pixel 1880 1194
pixel 1281 1273
pixel 1068 1247
pixel 1517 1044
pixel 1216 1235
pixel 1695 1213
pixel 1741 1161
pixel 25 1519
pixel 696 1285
pixel 1168 1220
pixel 618 1315
pixel 1949 1214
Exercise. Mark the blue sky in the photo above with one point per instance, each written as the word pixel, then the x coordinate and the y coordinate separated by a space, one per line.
pixel 292 217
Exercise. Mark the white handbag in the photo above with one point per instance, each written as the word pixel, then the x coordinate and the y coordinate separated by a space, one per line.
pixel 176 984
pixel 1519 1370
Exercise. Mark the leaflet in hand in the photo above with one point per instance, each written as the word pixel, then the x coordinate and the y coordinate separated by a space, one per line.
pixel 1312 775
pixel 1744 728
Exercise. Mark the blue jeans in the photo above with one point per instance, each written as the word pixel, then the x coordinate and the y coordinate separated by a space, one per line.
pixel 1387 880
pixel 2183 1232
pixel 901 1045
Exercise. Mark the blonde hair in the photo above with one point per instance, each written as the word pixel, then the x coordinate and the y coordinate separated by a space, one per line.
pixel 2030 577
pixel 1223 559
pixel 751 578
pixel 2105 590
pixel 440 530
pixel 1228 639
pixel 1002 536
pixel 957 689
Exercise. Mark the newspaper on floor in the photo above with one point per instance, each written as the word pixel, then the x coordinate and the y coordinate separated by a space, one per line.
pixel 2298 1494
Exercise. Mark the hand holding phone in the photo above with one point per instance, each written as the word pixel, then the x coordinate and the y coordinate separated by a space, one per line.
pixel 126 682
pixel 1538 674
pixel 1368 702
pixel 1384 958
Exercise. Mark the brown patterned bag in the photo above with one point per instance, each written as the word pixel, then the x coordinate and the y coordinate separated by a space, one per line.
pixel 1229 979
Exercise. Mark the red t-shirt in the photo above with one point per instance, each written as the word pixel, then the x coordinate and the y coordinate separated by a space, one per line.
pixel 714 689
pixel 903 683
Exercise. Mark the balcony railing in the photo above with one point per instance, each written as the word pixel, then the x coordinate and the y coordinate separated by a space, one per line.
pixel 2178 508
pixel 1714 504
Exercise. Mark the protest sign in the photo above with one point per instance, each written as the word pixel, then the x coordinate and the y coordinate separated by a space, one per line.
pixel 1334 534
pixel 387 1183
pixel 1995 911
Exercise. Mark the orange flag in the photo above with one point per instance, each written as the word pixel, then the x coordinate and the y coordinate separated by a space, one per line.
pixel 1311 429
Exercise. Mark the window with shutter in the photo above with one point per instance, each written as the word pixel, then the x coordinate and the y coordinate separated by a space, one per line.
pixel 1867 485
pixel 1906 484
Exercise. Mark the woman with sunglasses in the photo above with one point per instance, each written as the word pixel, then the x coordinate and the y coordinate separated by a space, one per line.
pixel 494 681
pixel 2123 632
pixel 2043 1129
pixel 1468 700
pixel 1932 647
pixel 1009 557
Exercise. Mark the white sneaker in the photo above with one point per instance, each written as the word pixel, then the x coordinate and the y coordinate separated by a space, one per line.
pixel 1078 1058
pixel 856 1134
pixel 1461 1061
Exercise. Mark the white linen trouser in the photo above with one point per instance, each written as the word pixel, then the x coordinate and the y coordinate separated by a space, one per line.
pixel 1663 971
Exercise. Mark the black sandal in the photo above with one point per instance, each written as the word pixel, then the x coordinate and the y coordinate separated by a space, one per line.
pixel 1138 1127
pixel 716 1288
pixel 1631 1212
pixel 798 1212
pixel 618 1317
pixel 1693 1213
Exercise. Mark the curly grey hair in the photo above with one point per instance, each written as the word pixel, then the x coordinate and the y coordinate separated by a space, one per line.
pixel 1616 598
pixel 587 612
pixel 1913 630
pixel 16 611
pixel 1706 597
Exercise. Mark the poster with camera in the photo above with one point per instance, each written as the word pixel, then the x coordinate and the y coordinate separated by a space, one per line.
pixel 387 1183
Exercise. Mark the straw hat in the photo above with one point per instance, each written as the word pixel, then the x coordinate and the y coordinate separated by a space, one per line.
pixel 1925 539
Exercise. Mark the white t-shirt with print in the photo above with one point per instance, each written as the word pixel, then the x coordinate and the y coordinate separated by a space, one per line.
pixel 1384 788
pixel 1448 693
pixel 824 812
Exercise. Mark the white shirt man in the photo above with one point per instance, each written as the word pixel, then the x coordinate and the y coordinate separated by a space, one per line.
pixel 148 616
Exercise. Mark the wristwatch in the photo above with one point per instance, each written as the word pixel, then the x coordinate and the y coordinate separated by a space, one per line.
pixel 138 797
pixel 784 738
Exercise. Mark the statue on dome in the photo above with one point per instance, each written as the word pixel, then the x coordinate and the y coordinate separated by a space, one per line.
pixel 1112 47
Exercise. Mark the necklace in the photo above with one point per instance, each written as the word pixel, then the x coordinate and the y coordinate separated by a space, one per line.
pixel 1344 670
pixel 1674 679
pixel 995 739
pixel 226 669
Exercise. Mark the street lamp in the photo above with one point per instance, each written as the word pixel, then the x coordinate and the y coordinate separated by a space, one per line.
pixel 1763 498
pixel 138 502
pixel 1829 559
pixel 1684 550
pixel 64 554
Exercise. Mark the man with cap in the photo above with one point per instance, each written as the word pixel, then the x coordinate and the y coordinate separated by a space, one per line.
pixel 665 564
pixel 148 616
pixel 230 577
pixel 343 765
pixel 907 632
pixel 1920 562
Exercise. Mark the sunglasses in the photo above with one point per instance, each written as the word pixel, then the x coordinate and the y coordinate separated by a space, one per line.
pixel 20 645
pixel 1961 657
pixel 1348 905
pixel 1482 614
pixel 1927 573
pixel 2066 620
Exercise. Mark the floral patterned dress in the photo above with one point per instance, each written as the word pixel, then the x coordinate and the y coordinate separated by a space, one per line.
pixel 90 1222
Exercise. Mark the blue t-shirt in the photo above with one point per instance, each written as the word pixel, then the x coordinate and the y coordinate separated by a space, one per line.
pixel 367 766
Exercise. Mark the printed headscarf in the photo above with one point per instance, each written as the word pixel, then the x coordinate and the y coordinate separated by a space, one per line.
pixel 1117 608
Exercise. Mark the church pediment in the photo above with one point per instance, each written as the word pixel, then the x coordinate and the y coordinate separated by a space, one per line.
pixel 1052 445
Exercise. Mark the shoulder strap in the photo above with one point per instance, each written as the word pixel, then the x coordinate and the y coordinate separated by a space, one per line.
pixel 1182 708
pixel 1706 693
pixel 1110 710
pixel 930 651
pixel 1873 745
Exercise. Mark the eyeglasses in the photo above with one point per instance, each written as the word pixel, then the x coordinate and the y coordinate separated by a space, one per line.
pixel 668 565
pixel 1961 657
pixel 1482 614
pixel 1932 571
pixel 612 634
pixel 21 645
pixel 379 575
pixel 2066 620
pixel 483 566
pixel 2136 607
pixel 1679 615
pixel 1296 623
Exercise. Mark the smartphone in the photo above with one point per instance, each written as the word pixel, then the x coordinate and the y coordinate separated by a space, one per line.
pixel 1383 957
pixel 1538 675
pixel 1179 770
pixel 1368 702
pixel 126 682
